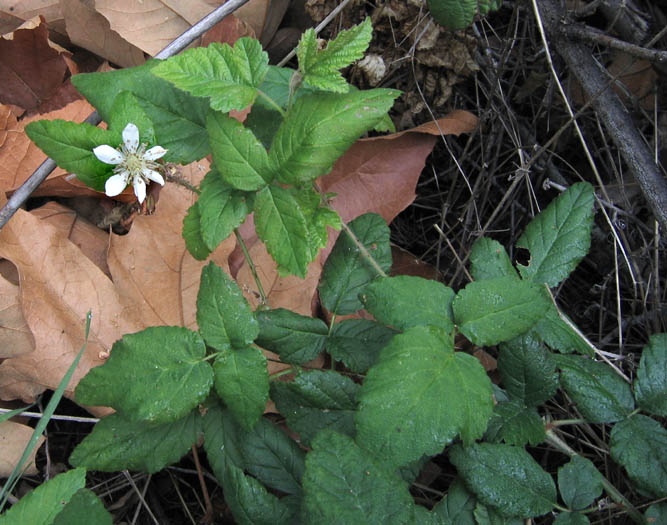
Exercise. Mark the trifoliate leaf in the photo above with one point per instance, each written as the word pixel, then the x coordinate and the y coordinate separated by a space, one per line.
pixel 319 128
pixel 154 376
pixel 242 382
pixel 358 342
pixel 402 410
pixel 274 458
pixel 83 509
pixel 560 236
pixel 321 68
pixel 651 382
pixel 489 259
pixel 117 444
pixel 342 484
pixel 223 315
pixel 296 338
pixel 316 400
pixel 229 76
pixel 601 395
pixel 579 483
pixel 640 444
pixel 43 504
pixel 505 477
pixel 495 310
pixel 179 119
pixel 527 370
pixel 281 225
pixel 405 301
pixel 347 270
pixel 221 209
pixel 71 145
pixel 192 233
pixel 239 156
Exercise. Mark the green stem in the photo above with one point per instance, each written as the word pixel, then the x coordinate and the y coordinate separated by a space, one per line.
pixel 613 492
pixel 272 103
pixel 251 265
pixel 562 422
pixel 287 371
pixel 364 252
pixel 294 83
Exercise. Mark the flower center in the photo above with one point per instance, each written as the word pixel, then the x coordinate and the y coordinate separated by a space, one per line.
pixel 134 162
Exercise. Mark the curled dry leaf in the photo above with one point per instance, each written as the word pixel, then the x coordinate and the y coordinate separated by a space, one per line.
pixel 13 439
pixel 15 12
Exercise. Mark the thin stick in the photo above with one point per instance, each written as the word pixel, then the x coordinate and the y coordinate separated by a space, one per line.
pixel 60 418
pixel 251 265
pixel 180 43
pixel 208 517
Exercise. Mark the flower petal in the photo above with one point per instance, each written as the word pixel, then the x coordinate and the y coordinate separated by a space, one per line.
pixel 153 175
pixel 131 137
pixel 108 155
pixel 155 153
pixel 139 189
pixel 115 184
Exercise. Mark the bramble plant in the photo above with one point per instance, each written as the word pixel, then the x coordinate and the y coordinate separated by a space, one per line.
pixel 406 392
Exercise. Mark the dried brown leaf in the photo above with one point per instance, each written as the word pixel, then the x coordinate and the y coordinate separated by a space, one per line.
pixel 14 332
pixel 13 439
pixel 18 11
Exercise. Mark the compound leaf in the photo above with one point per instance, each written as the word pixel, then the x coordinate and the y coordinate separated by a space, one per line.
pixel 117 444
pixel 560 236
pixel 495 310
pixel 316 400
pixel 223 315
pixel 401 414
pixel 505 477
pixel 154 376
pixel 242 382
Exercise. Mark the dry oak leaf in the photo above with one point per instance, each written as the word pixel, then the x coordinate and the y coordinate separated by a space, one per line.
pixel 90 30
pixel 31 68
pixel 15 335
pixel 13 439
pixel 155 282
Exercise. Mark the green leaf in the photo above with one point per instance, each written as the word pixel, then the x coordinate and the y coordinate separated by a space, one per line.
pixel 506 477
pixel 342 484
pixel 419 396
pixel 485 515
pixel 600 394
pixel 194 241
pixel 651 382
pixel 405 301
pixel 459 14
pixel 250 502
pixel 319 128
pixel 43 504
pixel 347 271
pixel 320 68
pixel 221 209
pixel 640 444
pixel 657 513
pixel 281 225
pixel 83 509
pixel 571 518
pixel 515 424
pixel 296 338
pixel 528 370
pixel 457 507
pixel 579 483
pixel 488 260
pixel 223 315
pixel 71 145
pixel 242 382
pixel 179 119
pixel 118 444
pixel 274 458
pixel 560 236
pixel 126 109
pixel 558 335
pixel 156 375
pixel 318 217
pixel 238 154
pixel 229 76
pixel 357 343
pixel 317 400
pixel 223 440
pixel 495 310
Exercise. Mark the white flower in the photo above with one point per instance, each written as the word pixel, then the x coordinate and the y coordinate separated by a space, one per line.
pixel 133 164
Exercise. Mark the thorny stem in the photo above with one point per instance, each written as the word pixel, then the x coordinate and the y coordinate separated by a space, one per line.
pixel 613 492
pixel 251 265
pixel 177 179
